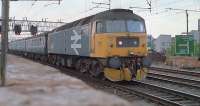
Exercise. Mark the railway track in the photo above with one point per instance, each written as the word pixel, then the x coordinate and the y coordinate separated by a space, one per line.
pixel 175 80
pixel 190 73
pixel 167 96
pixel 156 94
pixel 183 78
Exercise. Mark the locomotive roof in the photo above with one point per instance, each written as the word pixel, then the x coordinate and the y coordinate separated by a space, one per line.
pixel 109 14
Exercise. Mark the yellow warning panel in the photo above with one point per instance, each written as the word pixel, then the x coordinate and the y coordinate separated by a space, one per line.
pixel 117 75
pixel 127 74
pixel 141 74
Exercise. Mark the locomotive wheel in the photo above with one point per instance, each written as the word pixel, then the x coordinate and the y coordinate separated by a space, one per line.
pixel 78 64
pixel 83 65
pixel 96 68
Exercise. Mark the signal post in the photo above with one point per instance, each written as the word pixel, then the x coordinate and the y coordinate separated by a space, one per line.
pixel 4 37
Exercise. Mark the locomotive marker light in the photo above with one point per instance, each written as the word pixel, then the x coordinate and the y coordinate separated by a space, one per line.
pixel 120 43
pixel 135 42
pixel 75 44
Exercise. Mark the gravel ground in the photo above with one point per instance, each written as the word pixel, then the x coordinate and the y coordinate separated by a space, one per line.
pixel 33 84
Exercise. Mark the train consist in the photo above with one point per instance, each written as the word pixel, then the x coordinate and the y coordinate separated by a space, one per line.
pixel 111 43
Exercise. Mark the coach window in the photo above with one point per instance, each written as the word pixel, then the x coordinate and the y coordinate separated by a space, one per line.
pixel 99 27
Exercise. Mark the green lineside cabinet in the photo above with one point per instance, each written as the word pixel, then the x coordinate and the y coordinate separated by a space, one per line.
pixel 184 45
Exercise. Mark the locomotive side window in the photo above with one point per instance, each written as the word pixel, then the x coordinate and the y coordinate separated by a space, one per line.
pixel 135 26
pixel 115 26
pixel 99 27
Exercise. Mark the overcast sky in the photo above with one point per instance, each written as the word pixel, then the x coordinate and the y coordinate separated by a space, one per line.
pixel 159 21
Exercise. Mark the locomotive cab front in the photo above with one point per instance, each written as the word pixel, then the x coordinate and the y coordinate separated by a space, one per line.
pixel 120 39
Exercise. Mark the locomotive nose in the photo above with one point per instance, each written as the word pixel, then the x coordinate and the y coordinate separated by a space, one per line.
pixel 114 62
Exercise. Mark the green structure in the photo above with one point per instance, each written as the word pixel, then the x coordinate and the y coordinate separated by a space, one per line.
pixel 184 45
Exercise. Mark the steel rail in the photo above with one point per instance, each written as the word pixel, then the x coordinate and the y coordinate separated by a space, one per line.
pixel 191 73
pixel 183 80
pixel 175 96
pixel 174 80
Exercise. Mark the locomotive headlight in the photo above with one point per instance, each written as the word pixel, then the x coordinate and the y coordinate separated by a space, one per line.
pixel 120 43
pixel 131 53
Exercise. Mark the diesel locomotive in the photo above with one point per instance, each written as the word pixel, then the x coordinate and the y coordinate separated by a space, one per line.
pixel 111 43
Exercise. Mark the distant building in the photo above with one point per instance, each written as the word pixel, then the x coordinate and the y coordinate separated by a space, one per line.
pixel 150 42
pixel 162 43
pixel 196 35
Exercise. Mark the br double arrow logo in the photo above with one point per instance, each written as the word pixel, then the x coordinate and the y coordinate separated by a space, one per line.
pixel 75 45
